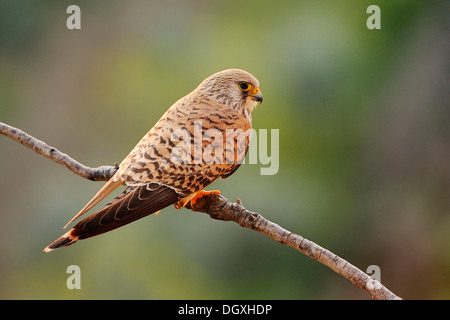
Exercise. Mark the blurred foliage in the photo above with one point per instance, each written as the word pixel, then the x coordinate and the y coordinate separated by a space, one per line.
pixel 364 145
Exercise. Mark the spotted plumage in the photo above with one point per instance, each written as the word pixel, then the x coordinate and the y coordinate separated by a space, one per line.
pixel 201 137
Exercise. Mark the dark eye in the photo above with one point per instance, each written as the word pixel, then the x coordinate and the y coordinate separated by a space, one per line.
pixel 244 86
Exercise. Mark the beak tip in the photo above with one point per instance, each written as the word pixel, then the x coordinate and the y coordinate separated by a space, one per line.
pixel 258 97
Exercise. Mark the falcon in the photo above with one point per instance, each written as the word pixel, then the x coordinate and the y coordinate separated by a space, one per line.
pixel 187 149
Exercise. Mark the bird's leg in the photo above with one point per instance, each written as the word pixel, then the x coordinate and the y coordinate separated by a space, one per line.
pixel 194 197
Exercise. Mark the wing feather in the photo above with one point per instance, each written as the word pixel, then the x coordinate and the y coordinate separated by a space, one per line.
pixel 109 187
pixel 134 205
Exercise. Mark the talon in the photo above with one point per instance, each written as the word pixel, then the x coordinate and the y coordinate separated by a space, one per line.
pixel 201 194
pixel 178 205
pixel 183 202
pixel 193 198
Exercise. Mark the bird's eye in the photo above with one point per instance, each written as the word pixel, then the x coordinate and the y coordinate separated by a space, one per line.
pixel 245 86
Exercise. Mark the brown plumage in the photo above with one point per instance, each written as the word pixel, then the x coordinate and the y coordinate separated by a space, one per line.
pixel 170 165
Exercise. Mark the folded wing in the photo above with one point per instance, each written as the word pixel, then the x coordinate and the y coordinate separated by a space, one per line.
pixel 134 203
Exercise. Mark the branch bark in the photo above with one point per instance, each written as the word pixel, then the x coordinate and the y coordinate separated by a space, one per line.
pixel 219 208
pixel 102 173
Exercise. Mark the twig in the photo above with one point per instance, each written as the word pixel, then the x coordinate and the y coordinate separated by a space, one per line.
pixel 219 208
pixel 102 173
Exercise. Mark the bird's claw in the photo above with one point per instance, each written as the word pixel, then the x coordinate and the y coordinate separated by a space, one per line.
pixel 201 194
pixel 193 198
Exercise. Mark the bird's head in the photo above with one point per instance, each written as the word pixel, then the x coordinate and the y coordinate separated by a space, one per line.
pixel 234 87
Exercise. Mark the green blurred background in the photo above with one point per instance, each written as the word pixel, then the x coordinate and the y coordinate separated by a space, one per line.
pixel 363 117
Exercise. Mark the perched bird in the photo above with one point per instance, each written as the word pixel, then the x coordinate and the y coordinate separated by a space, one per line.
pixel 174 161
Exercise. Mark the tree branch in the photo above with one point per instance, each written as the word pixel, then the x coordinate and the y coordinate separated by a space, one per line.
pixel 219 208
pixel 102 173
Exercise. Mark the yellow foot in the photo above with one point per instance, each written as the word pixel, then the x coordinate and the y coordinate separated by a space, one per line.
pixel 193 198
pixel 201 194
pixel 183 202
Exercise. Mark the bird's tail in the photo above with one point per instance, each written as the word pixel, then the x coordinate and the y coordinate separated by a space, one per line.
pixel 130 205
pixel 65 240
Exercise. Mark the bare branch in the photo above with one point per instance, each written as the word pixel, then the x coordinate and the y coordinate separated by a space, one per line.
pixel 102 173
pixel 219 208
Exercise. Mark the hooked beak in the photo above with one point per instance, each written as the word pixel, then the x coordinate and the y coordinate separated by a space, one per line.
pixel 257 95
